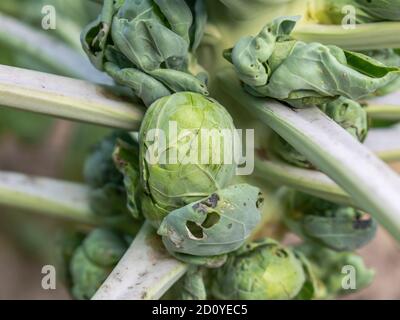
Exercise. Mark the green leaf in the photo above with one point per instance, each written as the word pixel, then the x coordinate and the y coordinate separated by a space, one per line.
pixel 215 225
pixel 270 67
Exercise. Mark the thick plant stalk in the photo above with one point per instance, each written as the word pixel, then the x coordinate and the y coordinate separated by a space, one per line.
pixel 385 143
pixel 66 98
pixel 309 181
pixel 56 198
pixel 363 37
pixel 145 272
pixel 48 50
pixel 385 107
pixel 371 183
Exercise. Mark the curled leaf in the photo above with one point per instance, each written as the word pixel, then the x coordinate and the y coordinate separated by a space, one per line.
pixel 275 70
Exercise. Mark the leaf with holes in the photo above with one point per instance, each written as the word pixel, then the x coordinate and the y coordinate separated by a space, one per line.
pixel 215 225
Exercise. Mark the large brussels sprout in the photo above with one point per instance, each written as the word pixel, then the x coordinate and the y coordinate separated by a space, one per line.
pixel 177 164
pixel 94 260
pixel 218 224
pixel 262 270
pixel 330 267
pixel 335 226
pixel 270 65
pixel 147 45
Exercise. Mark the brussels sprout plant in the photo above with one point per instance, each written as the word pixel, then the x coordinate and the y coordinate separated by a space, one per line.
pixel 193 90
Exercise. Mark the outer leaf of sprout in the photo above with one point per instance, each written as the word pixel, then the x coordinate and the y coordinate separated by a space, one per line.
pixel 95 36
pixel 174 184
pixel 389 57
pixel 261 270
pixel 126 159
pixel 215 225
pixel 313 287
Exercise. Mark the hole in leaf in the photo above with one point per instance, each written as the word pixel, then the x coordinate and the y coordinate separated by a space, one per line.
pixel 211 220
pixel 260 201
pixel 281 253
pixel 195 230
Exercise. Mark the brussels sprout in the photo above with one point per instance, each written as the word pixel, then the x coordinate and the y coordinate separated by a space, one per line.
pixel 170 179
pixel 262 270
pixel 94 260
pixel 286 152
pixel 67 242
pixel 108 199
pixel 147 45
pixel 329 266
pixel 337 227
pixel 349 114
pixel 216 225
pixel 271 65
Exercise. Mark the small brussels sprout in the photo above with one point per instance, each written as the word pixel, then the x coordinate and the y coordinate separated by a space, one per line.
pixel 335 226
pixel 193 287
pixel 177 165
pixel 67 241
pixel 329 266
pixel 94 260
pixel 107 189
pixel 108 197
pixel 286 152
pixel 215 225
pixel 262 270
pixel 350 115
